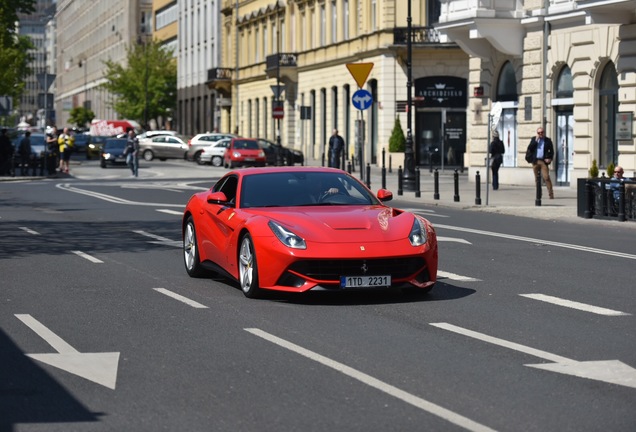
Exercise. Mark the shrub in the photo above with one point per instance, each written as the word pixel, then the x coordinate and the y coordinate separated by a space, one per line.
pixel 594 169
pixel 610 170
pixel 397 142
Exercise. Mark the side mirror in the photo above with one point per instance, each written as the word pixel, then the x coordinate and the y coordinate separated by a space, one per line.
pixel 216 198
pixel 384 195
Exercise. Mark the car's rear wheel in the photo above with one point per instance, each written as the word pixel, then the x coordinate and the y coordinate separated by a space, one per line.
pixel 191 251
pixel 248 270
pixel 148 155
pixel 217 161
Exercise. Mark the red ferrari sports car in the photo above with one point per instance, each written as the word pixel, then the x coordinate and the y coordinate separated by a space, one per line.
pixel 299 228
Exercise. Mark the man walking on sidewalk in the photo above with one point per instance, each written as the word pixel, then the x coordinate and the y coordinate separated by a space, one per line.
pixel 540 153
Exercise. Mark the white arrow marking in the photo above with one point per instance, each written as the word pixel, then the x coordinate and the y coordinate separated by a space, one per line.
pixel 574 305
pixel 453 239
pixel 30 231
pixel 611 371
pixel 409 398
pixel 101 368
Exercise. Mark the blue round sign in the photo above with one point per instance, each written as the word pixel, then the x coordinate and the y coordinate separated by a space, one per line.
pixel 362 99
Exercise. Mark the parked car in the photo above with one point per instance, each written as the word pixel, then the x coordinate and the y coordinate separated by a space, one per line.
pixel 113 152
pixel 244 151
pixel 163 147
pixel 287 156
pixel 200 141
pixel 38 151
pixel 291 232
pixel 81 143
pixel 151 133
pixel 213 154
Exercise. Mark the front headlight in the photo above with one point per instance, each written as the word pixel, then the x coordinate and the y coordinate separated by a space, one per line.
pixel 287 237
pixel 417 236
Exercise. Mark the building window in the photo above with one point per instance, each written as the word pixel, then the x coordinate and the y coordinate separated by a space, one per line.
pixel 374 15
pixel 345 14
pixel 323 26
pixel 565 87
pixel 334 22
pixel 507 128
pixel 608 106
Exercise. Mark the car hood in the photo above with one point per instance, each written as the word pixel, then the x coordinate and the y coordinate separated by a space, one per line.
pixel 343 223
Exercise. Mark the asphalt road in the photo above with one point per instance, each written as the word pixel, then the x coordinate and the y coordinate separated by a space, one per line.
pixel 531 326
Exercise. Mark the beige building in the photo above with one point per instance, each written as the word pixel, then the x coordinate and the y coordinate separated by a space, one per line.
pixel 89 33
pixel 567 65
pixel 305 46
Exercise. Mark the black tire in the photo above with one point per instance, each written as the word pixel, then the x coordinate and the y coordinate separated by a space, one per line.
pixel 197 158
pixel 191 251
pixel 148 155
pixel 248 269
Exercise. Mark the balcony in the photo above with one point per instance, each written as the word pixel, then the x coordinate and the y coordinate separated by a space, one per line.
pixel 285 63
pixel 220 79
pixel 419 36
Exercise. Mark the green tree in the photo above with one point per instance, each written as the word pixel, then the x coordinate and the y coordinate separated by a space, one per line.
pixel 81 116
pixel 14 49
pixel 397 142
pixel 146 87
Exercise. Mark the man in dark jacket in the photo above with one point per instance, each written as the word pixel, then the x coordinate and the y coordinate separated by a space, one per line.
pixel 540 153
pixel 25 153
pixel 6 153
pixel 336 147
pixel 497 150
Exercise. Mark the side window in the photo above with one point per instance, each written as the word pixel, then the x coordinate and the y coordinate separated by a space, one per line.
pixel 228 186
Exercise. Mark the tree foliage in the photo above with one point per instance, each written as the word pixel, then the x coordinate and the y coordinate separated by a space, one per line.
pixel 397 142
pixel 146 87
pixel 14 49
pixel 81 116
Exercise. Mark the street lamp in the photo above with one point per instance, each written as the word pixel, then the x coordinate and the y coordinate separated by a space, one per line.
pixel 278 92
pixel 409 160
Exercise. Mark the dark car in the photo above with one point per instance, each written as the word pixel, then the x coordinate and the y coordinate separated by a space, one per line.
pixel 95 145
pixel 113 152
pixel 38 145
pixel 287 156
pixel 81 143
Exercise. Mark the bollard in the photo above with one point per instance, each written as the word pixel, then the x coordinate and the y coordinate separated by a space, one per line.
pixel 353 163
pixel 383 178
pixel 418 192
pixel 456 180
pixel 390 169
pixel 587 214
pixel 537 200
pixel 42 163
pixel 400 180
pixel 621 202
pixel 368 176
pixel 477 189
pixel 383 156
pixel 436 181
pixel 349 167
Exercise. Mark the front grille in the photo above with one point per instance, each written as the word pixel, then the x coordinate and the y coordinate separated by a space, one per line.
pixel 331 270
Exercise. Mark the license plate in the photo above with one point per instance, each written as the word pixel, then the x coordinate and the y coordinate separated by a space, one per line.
pixel 249 159
pixel 364 281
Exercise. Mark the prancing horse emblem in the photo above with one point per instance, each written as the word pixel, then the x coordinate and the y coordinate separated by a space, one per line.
pixel 364 268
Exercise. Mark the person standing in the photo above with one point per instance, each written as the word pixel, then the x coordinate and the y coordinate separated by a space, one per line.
pixel 540 153
pixel 65 141
pixel 497 150
pixel 132 152
pixel 6 153
pixel 24 150
pixel 336 147
pixel 53 151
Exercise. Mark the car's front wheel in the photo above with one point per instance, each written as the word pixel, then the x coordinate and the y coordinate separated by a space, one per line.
pixel 197 158
pixel 148 155
pixel 248 269
pixel 217 161
pixel 191 251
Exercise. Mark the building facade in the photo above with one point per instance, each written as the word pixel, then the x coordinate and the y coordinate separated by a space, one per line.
pixel 294 54
pixel 566 65
pixel 88 34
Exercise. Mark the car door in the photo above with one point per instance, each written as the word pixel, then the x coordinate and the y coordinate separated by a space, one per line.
pixel 174 148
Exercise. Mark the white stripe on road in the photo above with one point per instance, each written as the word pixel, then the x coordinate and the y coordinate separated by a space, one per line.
pixel 539 241
pixel 112 199
pixel 574 305
pixel 453 239
pixel 180 298
pixel 30 231
pixel 88 257
pixel 51 338
pixel 172 212
pixel 160 240
pixel 456 277
pixel 409 398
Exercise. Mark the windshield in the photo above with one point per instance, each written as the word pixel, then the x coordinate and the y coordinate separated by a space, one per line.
pixel 283 189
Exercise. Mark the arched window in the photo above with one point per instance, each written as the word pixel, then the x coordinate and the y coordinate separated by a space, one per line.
pixel 608 106
pixel 507 127
pixel 507 85
pixel 564 88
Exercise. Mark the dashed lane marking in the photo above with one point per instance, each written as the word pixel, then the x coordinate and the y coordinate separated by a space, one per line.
pixel 574 305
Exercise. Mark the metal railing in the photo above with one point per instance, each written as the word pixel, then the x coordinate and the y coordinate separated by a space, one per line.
pixel 419 35
pixel 606 198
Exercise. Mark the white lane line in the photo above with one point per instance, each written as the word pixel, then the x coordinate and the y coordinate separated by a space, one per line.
pixel 111 198
pixel 425 213
pixel 409 398
pixel 539 241
pixel 88 257
pixel 574 305
pixel 171 212
pixel 456 277
pixel 30 231
pixel 160 240
pixel 453 239
pixel 51 338
pixel 180 298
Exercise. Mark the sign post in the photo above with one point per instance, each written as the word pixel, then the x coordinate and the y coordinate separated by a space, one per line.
pixel 362 100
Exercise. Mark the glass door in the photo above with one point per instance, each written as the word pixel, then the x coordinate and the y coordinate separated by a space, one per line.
pixel 564 144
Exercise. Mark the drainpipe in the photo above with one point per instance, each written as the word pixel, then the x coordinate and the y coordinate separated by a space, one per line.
pixel 544 65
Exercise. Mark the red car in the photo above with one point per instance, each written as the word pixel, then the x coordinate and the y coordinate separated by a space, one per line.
pixel 299 228
pixel 244 151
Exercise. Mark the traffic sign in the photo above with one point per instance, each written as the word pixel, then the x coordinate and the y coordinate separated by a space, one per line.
pixel 278 112
pixel 360 72
pixel 362 99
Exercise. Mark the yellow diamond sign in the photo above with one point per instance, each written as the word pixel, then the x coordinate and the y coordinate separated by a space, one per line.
pixel 360 72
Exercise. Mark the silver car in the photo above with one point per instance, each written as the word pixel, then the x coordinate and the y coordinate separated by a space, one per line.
pixel 163 147
pixel 213 154
pixel 201 141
